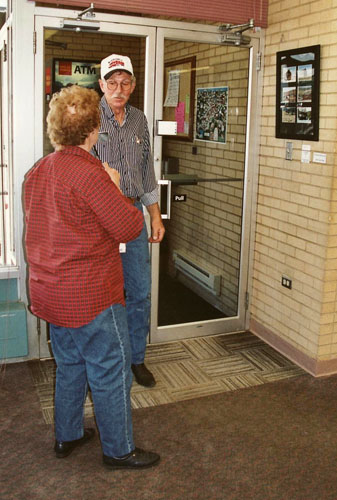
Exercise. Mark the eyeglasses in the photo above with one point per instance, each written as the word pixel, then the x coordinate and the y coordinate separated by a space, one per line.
pixel 113 85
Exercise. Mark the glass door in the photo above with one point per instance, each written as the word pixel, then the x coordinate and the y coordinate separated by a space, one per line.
pixel 65 56
pixel 200 270
pixel 65 53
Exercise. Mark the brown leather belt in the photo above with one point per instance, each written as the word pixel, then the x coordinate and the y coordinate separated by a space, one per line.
pixel 133 200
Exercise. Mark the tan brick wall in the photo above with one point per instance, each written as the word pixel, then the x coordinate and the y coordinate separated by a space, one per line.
pixel 296 232
pixel 207 229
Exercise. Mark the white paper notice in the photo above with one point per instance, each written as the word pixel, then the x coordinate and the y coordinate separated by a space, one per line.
pixel 306 152
pixel 172 94
pixel 319 157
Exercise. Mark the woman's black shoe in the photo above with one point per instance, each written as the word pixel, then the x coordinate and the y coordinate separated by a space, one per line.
pixel 137 459
pixel 64 448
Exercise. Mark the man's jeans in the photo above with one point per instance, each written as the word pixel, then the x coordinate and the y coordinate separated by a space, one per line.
pixel 137 284
pixel 97 354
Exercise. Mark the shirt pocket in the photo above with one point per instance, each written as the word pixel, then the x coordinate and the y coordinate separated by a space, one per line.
pixel 136 153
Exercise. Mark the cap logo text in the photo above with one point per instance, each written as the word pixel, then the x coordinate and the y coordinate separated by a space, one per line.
pixel 116 62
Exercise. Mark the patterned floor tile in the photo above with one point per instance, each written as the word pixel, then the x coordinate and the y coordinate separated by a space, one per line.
pixel 265 358
pixel 205 348
pixel 241 381
pixel 282 373
pixel 187 369
pixel 237 341
pixel 151 397
pixel 170 351
pixel 199 391
pixel 226 366
pixel 181 374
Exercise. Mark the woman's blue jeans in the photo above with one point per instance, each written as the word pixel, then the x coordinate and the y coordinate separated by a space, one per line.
pixel 137 284
pixel 97 354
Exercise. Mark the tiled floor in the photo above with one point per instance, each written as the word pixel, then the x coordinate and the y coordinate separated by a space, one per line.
pixel 189 369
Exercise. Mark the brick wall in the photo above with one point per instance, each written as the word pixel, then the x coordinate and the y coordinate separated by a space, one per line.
pixel 296 230
pixel 207 229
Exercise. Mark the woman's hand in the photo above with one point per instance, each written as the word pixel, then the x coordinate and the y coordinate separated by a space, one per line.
pixel 113 174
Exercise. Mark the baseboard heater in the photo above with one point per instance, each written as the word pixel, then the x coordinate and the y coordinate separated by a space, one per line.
pixel 211 282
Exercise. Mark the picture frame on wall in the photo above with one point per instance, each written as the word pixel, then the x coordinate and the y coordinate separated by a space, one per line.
pixel 75 72
pixel 297 93
pixel 212 114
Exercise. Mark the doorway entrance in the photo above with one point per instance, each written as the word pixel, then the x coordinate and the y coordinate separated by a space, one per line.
pixel 200 270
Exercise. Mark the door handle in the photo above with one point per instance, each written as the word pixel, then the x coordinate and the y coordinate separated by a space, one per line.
pixel 165 198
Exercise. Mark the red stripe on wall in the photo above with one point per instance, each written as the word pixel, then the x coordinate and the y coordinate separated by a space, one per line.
pixel 225 11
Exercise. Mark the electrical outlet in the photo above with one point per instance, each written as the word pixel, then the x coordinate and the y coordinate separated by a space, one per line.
pixel 286 282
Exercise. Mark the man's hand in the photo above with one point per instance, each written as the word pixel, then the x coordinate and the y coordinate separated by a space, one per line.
pixel 158 231
pixel 157 226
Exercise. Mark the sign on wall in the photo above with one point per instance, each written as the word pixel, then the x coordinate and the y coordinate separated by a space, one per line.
pixel 212 114
pixel 68 72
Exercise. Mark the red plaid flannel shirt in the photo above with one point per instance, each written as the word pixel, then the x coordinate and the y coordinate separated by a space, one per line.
pixel 75 220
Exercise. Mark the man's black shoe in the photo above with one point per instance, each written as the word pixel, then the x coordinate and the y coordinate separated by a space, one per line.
pixel 137 459
pixel 143 376
pixel 64 448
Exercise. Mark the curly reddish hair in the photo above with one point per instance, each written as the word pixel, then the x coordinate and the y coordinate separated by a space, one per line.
pixel 73 115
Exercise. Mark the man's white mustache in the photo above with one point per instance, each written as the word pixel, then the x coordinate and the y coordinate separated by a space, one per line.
pixel 118 95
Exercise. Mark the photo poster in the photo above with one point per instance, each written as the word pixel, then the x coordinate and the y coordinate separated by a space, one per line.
pixel 212 114
pixel 178 102
pixel 68 72
pixel 297 107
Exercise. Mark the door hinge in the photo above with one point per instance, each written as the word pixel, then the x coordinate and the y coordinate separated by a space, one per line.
pixel 5 52
pixel 34 42
pixel 246 301
pixel 258 61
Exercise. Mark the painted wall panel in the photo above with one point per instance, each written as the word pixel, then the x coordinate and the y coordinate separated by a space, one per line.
pixel 225 11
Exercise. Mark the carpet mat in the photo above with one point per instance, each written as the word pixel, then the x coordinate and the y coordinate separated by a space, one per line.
pixel 275 441
pixel 188 369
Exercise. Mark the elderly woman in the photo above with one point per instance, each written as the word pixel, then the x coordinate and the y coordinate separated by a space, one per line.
pixel 76 218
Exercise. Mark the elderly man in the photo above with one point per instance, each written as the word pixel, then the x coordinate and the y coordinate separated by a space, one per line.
pixel 128 151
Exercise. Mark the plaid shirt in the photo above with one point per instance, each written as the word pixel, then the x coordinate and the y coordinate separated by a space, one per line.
pixel 75 220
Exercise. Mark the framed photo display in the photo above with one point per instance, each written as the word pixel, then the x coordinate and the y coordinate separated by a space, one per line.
pixel 297 93
pixel 212 114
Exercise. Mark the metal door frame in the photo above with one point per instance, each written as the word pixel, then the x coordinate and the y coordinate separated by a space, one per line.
pixel 42 22
pixel 155 30
pixel 239 322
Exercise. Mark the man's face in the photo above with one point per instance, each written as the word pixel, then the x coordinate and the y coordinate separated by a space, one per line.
pixel 117 89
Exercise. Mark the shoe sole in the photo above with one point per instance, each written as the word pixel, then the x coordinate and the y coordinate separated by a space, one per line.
pixel 145 385
pixel 124 467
